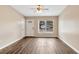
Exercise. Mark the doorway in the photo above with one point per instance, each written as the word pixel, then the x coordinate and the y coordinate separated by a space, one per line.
pixel 29 27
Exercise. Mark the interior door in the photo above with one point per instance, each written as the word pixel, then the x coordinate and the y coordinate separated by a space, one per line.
pixel 29 28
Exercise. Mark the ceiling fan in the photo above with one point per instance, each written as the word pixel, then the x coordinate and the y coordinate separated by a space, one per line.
pixel 39 8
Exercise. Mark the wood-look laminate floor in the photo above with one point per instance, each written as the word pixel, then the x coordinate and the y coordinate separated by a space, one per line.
pixel 38 46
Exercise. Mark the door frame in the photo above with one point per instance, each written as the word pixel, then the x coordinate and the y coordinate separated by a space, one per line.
pixel 26 28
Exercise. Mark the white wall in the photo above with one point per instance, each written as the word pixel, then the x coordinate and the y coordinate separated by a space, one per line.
pixel 55 24
pixel 11 26
pixel 69 26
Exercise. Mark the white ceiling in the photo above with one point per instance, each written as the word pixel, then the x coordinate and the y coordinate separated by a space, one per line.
pixel 28 10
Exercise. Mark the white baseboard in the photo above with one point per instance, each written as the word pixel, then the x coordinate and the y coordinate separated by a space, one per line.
pixel 77 51
pixel 10 43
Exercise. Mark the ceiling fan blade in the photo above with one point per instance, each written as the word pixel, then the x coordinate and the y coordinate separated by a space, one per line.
pixel 46 9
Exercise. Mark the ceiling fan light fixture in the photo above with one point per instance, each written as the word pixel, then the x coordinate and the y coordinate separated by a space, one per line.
pixel 39 11
pixel 39 8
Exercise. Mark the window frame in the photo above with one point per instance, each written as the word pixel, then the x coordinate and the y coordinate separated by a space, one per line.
pixel 45 28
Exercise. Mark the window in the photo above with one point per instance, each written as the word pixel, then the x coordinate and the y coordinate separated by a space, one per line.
pixel 45 26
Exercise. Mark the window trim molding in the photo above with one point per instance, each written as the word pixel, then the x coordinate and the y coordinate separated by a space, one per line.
pixel 44 31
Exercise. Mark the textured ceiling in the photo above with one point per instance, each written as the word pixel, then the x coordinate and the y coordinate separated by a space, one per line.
pixel 30 10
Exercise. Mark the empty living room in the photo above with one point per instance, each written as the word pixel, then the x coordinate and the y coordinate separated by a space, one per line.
pixel 39 29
